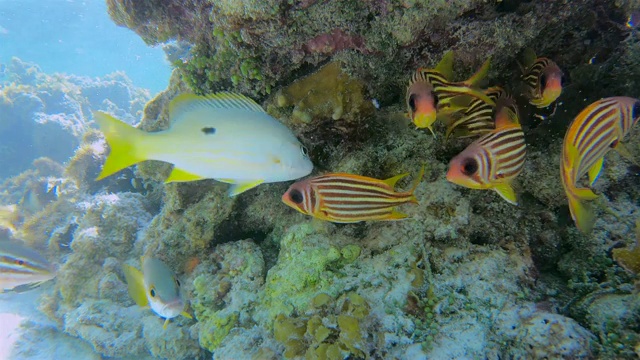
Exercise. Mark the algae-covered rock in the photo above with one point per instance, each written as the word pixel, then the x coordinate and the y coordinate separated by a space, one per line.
pixel 225 289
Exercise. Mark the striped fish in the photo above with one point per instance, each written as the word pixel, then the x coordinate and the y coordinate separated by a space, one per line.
pixel 598 128
pixel 430 93
pixel 494 160
pixel 543 79
pixel 20 265
pixel 478 119
pixel 348 198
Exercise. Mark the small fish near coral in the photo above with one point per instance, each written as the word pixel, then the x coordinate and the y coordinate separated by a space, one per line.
pixel 495 159
pixel 349 198
pixel 156 287
pixel 222 136
pixel 430 93
pixel 20 265
pixel 600 127
pixel 542 78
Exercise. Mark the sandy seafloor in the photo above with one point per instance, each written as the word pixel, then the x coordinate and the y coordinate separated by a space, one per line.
pixel 21 324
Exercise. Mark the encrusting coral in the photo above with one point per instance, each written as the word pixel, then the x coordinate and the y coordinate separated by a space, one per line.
pixel 467 275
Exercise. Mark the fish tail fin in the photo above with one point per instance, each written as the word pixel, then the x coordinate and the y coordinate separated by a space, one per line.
pixel 581 211
pixel 480 74
pixel 135 285
pixel 123 140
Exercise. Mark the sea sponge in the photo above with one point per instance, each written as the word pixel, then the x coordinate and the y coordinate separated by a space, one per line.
pixel 329 92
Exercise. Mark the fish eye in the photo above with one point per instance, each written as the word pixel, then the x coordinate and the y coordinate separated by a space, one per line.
pixel 152 292
pixel 469 166
pixel 296 196
pixel 412 102
pixel 543 81
pixel 635 112
pixel 304 150
pixel 20 262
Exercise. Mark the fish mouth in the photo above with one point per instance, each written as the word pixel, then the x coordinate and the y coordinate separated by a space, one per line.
pixel 424 120
pixel 172 309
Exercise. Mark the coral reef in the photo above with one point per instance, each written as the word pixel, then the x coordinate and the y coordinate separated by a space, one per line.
pixel 52 112
pixel 467 275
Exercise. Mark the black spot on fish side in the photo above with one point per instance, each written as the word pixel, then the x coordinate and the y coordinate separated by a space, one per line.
pixel 209 130
pixel 469 166
pixel 435 99
pixel 543 82
pixel 296 196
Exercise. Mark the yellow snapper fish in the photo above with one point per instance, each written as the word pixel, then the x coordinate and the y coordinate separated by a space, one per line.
pixel 156 287
pixel 430 94
pixel 222 136
pixel 599 128
pixel 20 265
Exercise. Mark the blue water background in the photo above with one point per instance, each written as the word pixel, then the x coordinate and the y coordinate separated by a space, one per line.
pixel 78 37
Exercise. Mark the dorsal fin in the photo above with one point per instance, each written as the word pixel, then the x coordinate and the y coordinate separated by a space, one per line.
pixel 184 103
pixel 445 66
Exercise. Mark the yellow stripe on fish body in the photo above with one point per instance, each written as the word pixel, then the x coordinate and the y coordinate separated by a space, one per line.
pixel 479 116
pixel 20 265
pixel 348 198
pixel 218 136
pixel 598 128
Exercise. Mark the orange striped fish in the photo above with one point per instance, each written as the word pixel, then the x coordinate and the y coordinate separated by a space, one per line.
pixel 429 92
pixel 494 160
pixel 598 128
pixel 348 198
pixel 543 79
pixel 479 117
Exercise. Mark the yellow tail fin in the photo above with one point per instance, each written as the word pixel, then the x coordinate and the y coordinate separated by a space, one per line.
pixel 122 139
pixel 581 211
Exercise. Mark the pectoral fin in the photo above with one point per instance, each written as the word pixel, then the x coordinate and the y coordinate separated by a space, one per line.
pixel 135 285
pixel 506 191
pixel 239 188
pixel 178 175
pixel 164 326
pixel 396 215
pixel 187 315
pixel 594 172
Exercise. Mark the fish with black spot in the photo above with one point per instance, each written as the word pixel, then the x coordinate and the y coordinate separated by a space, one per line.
pixel 222 136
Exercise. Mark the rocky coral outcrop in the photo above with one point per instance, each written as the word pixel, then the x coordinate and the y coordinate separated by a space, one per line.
pixel 52 112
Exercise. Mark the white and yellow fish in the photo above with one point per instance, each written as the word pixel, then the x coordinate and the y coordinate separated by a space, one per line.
pixel 20 265
pixel 222 136
pixel 156 287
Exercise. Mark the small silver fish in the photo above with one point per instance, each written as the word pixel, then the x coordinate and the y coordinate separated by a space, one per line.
pixel 156 287
pixel 20 265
